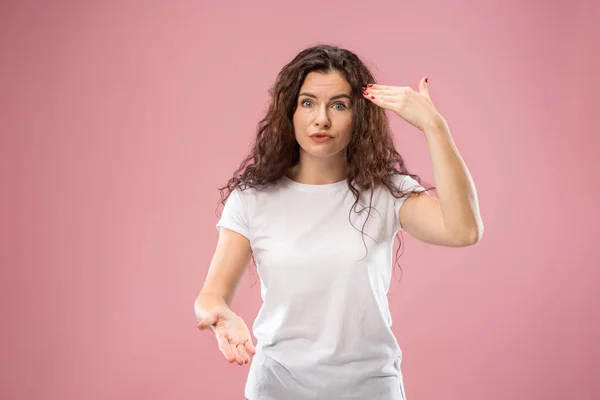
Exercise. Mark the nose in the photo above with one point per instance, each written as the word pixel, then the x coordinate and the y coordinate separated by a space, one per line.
pixel 322 118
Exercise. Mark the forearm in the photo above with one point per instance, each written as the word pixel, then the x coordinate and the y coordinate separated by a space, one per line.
pixel 455 187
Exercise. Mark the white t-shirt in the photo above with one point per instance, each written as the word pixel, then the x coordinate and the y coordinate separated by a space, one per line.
pixel 323 331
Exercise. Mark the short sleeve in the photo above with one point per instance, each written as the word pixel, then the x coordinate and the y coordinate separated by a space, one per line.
pixel 407 184
pixel 235 214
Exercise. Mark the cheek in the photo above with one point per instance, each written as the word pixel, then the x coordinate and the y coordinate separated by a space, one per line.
pixel 298 120
pixel 348 125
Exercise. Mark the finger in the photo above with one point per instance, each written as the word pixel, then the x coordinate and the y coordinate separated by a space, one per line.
pixel 390 98
pixel 239 358
pixel 242 350
pixel 377 100
pixel 423 89
pixel 229 351
pixel 206 323
pixel 387 98
pixel 225 348
pixel 380 89
pixel 373 86
pixel 250 347
pixel 368 96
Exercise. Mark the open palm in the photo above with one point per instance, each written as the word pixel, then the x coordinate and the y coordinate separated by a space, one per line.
pixel 232 334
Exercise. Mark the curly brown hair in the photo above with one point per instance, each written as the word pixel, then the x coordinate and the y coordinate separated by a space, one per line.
pixel 371 155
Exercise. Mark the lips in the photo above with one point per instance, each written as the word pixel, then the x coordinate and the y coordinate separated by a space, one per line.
pixel 320 135
pixel 321 138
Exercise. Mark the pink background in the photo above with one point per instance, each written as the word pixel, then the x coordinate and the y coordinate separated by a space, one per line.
pixel 120 119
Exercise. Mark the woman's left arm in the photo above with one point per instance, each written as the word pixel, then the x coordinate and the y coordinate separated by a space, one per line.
pixel 453 219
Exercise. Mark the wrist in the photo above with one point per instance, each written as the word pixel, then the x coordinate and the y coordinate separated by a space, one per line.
pixel 436 127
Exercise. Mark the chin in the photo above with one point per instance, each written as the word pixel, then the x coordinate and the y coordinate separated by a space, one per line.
pixel 322 152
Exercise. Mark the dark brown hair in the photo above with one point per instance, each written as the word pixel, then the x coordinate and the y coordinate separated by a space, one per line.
pixel 371 155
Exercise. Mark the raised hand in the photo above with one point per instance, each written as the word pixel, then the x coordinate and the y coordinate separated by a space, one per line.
pixel 233 336
pixel 414 107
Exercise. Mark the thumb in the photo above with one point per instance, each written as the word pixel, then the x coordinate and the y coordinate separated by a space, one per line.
pixel 207 322
pixel 423 87
pixel 214 317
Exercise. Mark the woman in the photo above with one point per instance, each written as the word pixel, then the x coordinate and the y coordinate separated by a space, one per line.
pixel 317 204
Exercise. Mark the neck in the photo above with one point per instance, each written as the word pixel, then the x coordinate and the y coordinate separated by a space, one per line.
pixel 319 171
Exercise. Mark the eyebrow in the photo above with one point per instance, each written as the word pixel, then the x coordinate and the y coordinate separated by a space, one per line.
pixel 339 96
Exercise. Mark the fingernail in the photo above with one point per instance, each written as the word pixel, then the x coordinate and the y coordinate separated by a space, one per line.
pixel 372 97
pixel 364 88
pixel 426 80
pixel 370 85
pixel 365 93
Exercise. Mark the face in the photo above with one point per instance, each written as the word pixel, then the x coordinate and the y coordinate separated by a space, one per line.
pixel 324 107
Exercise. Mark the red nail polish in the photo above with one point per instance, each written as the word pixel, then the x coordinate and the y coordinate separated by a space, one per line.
pixel 365 93
pixel 372 97
pixel 364 88
pixel 370 85
pixel 426 80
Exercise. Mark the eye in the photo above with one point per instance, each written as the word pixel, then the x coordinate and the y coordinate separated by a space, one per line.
pixel 304 102
pixel 340 104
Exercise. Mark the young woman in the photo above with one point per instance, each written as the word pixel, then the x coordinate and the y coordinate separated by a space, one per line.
pixel 317 204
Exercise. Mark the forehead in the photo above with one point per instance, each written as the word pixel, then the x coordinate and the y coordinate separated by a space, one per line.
pixel 325 82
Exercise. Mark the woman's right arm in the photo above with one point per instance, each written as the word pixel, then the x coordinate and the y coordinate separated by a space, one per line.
pixel 212 306
pixel 225 272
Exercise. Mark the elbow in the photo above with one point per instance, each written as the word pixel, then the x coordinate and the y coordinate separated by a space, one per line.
pixel 474 235
pixel 469 237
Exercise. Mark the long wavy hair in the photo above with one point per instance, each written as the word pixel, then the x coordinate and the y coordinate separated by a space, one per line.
pixel 371 155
